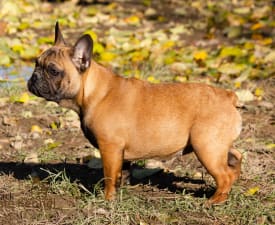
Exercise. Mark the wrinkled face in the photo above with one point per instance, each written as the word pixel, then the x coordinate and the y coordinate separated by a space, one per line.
pixel 58 71
pixel 55 76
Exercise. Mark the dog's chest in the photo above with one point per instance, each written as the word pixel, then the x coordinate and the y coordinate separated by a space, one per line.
pixel 89 134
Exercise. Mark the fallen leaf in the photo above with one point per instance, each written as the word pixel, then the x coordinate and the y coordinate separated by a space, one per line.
pixel 259 92
pixel 200 55
pixel 245 95
pixel 92 34
pixel 257 26
pixel 27 114
pixel 24 98
pixel 36 128
pixel 107 56
pixel 270 146
pixel 242 10
pixel 261 12
pixel 133 20
pixel 98 48
pixel 266 41
pixel 231 51
pixel 152 79
pixel 252 191
pixel 270 57
pixel 5 60
pixel 53 145
pixel 54 126
pixel 48 141
pixel 231 68
pixel 142 223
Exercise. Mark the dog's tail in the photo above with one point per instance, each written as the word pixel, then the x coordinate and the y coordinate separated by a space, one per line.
pixel 234 98
pixel 232 159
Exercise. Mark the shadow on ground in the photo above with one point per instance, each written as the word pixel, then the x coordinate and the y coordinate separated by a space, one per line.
pixel 90 178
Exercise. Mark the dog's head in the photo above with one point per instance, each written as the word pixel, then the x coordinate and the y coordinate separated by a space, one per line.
pixel 58 70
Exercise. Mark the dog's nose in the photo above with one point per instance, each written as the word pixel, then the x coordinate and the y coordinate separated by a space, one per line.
pixel 34 78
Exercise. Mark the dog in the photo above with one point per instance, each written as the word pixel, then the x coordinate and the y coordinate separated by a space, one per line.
pixel 130 119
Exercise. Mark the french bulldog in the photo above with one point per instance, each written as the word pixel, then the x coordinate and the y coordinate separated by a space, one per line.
pixel 130 119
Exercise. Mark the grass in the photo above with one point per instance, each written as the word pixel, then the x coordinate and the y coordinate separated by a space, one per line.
pixel 61 200
pixel 131 207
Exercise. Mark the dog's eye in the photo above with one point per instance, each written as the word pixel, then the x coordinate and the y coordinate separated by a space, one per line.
pixel 53 71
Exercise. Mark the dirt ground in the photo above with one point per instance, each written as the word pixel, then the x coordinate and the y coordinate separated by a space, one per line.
pixel 28 157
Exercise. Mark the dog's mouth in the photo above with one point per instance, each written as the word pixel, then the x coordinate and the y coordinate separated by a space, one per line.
pixel 43 89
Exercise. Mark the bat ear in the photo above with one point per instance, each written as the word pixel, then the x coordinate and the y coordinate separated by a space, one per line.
pixel 58 39
pixel 82 52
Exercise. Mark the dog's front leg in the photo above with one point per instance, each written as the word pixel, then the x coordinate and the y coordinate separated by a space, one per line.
pixel 112 158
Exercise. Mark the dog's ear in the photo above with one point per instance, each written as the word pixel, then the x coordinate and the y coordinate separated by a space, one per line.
pixel 82 52
pixel 58 39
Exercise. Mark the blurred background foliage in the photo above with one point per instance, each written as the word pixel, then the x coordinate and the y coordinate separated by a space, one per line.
pixel 229 41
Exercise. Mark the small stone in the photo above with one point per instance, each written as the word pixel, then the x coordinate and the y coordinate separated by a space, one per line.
pixel 151 13
pixel 266 104
pixel 152 163
pixel 35 135
pixel 143 173
pixel 31 158
pixel 9 121
pixel 95 163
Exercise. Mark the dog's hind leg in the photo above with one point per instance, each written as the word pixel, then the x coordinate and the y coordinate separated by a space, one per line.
pixel 223 164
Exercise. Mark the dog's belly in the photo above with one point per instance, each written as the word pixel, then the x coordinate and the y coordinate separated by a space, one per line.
pixel 156 144
pixel 151 152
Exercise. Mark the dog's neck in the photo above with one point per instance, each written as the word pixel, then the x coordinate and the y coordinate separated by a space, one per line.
pixel 96 82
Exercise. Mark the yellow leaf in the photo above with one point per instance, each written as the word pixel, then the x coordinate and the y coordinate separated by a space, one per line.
pixel 257 26
pixel 53 145
pixel 17 48
pixel 169 60
pixel 107 56
pixel 252 59
pixel 259 92
pixel 24 98
pixel 137 73
pixel 152 79
pixel 237 84
pixel 168 44
pixel 36 128
pixel 138 56
pixel 200 55
pixel 231 68
pixel 53 125
pixel 249 45
pixel 270 146
pixel 92 34
pixel 132 20
pixel 98 48
pixel 252 191
pixel 231 51
pixel 266 41
pixel 5 60
pixel 180 79
pixel 112 6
